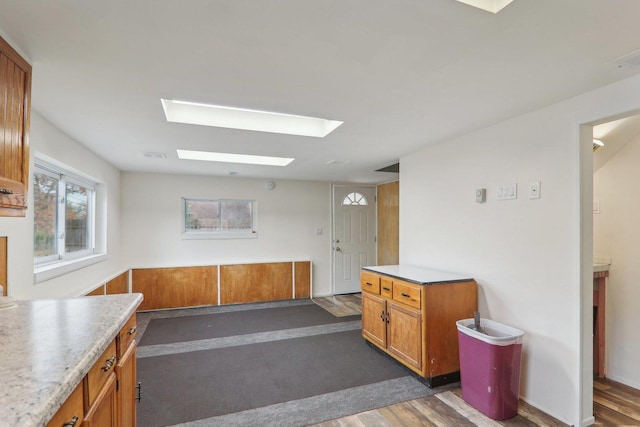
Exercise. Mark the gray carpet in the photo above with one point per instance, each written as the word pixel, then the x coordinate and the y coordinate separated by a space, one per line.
pixel 290 374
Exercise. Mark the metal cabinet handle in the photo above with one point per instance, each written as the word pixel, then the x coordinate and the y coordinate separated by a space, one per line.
pixel 386 289
pixel 71 423
pixel 5 191
pixel 369 284
pixel 139 392
pixel 133 330
pixel 109 364
pixel 405 295
pixel 382 315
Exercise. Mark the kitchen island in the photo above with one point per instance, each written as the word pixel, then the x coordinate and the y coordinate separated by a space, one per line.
pixel 410 313
pixel 48 348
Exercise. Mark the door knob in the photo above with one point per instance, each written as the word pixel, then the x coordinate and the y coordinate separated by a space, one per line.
pixel 338 249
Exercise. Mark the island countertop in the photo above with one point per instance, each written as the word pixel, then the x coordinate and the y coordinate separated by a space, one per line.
pixel 418 275
pixel 48 346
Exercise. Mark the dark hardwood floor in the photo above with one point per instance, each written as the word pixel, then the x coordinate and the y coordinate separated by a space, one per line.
pixel 614 404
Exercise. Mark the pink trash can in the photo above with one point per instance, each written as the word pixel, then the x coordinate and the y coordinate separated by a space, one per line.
pixel 490 367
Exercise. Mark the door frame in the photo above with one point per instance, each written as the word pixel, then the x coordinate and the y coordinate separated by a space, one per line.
pixel 333 235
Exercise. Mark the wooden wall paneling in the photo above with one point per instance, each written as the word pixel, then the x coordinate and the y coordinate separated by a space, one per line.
pixel 388 223
pixel 176 287
pixel 302 279
pixel 242 283
pixel 3 266
pixel 97 291
pixel 118 285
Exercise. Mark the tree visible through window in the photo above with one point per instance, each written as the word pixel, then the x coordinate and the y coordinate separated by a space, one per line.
pixel 63 215
pixel 219 216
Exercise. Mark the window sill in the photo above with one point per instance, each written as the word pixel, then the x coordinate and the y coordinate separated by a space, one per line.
pixel 218 236
pixel 50 271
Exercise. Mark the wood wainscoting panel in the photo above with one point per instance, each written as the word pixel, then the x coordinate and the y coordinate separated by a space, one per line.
pixel 388 223
pixel 302 279
pixel 118 285
pixel 243 283
pixel 97 291
pixel 176 287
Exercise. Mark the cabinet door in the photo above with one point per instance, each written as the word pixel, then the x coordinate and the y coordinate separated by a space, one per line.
pixel 405 334
pixel 374 324
pixel 126 393
pixel 15 87
pixel 103 412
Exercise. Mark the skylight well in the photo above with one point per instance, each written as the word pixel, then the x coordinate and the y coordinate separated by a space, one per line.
pixel 240 118
pixel 233 158
pixel 493 6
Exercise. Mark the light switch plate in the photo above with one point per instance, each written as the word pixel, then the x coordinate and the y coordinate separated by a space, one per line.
pixel 507 192
pixel 481 195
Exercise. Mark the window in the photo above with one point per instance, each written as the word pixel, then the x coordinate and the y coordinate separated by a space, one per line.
pixel 64 214
pixel 219 218
pixel 355 199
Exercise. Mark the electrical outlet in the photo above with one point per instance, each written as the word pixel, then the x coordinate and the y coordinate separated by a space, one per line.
pixel 481 195
pixel 534 190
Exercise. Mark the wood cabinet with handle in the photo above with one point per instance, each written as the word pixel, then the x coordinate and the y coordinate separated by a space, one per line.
pixel 15 110
pixel 413 320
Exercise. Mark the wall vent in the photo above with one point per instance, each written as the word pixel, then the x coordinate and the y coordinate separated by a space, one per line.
pixel 152 155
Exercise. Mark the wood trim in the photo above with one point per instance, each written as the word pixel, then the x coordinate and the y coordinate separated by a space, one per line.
pixel 302 277
pixel 176 287
pixel 118 285
pixel 242 283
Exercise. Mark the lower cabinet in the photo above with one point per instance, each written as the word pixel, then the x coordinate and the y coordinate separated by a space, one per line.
pixel 416 323
pixel 107 395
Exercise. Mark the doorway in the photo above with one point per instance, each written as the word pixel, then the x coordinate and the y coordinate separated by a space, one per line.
pixel 353 235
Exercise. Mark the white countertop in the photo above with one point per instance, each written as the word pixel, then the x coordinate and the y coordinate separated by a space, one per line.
pixel 48 346
pixel 419 275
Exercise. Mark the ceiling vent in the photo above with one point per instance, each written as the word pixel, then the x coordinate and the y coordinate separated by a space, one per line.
pixel 631 59
pixel 338 162
pixel 152 155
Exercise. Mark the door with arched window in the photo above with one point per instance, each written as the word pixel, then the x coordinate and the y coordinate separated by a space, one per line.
pixel 354 241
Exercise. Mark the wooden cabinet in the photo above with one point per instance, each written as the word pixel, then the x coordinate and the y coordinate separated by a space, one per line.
pixel 107 395
pixel 415 323
pixel 15 92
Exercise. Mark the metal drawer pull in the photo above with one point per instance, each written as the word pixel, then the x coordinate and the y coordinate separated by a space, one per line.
pixel 71 423
pixel 109 363
pixel 139 392
pixel 405 295
pixel 369 284
pixel 133 330
pixel 382 315
pixel 5 191
pixel 386 289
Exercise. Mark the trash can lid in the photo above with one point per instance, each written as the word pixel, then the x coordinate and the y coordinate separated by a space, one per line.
pixel 492 332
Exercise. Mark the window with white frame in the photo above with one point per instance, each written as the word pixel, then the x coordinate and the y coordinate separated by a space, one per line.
pixel 64 214
pixel 218 218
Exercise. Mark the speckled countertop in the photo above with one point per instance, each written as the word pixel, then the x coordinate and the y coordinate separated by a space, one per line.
pixel 418 275
pixel 48 346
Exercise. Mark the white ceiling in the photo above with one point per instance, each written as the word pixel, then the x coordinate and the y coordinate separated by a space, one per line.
pixel 401 74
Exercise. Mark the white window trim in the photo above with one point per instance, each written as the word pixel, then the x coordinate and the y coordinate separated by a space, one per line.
pixel 48 270
pixel 213 235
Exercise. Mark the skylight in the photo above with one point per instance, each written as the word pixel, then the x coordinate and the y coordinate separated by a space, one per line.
pixel 493 6
pixel 233 158
pixel 239 118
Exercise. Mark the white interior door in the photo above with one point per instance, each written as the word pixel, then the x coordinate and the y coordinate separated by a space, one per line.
pixel 354 242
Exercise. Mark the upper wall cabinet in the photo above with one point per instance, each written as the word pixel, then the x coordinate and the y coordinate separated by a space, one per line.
pixel 15 92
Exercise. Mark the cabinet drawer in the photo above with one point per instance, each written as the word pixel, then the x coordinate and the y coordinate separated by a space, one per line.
pixel 99 373
pixel 70 411
pixel 407 293
pixel 127 335
pixel 370 282
pixel 386 287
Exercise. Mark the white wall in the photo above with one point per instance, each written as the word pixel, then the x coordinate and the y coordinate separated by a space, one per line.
pixel 531 258
pixel 616 236
pixel 287 218
pixel 49 140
